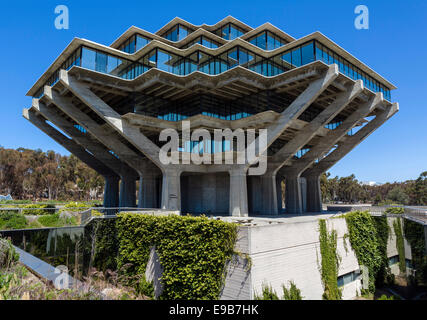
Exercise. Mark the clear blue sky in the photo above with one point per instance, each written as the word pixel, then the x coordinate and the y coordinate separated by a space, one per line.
pixel 395 46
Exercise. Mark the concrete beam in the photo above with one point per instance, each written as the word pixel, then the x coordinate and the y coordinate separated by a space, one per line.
pixel 352 141
pixel 132 134
pixel 100 152
pixel 318 123
pixel 67 143
pixel 297 107
pixel 327 142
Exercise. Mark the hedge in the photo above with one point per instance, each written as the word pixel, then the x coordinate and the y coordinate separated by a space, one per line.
pixel 193 251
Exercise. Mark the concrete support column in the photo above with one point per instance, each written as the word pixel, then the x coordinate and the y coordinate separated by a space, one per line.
pixel 171 190
pixel 269 194
pixel 314 195
pixel 111 192
pixel 127 191
pixel 148 191
pixel 238 193
pixel 279 180
pixel 293 194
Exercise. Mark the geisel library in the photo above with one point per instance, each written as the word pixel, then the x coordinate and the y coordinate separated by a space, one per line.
pixel 108 105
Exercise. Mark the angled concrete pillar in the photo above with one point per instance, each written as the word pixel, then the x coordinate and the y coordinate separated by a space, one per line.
pixel 127 191
pixel 351 142
pixel 148 191
pixel 171 190
pixel 238 193
pixel 111 192
pixel 293 194
pixel 314 196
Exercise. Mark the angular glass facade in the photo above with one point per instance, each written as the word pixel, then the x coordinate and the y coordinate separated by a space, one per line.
pixel 134 43
pixel 229 31
pixel 204 41
pixel 213 64
pixel 267 41
pixel 177 33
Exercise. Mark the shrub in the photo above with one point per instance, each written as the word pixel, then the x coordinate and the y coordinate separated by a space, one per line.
pixel 8 254
pixel 38 209
pixel 293 293
pixel 267 293
pixel 11 220
pixel 394 210
pixel 193 251
pixel 75 207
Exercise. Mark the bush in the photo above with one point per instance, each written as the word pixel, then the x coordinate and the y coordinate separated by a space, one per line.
pixel 8 254
pixel 193 251
pixel 394 210
pixel 75 207
pixel 293 293
pixel 267 293
pixel 10 220
pixel 38 209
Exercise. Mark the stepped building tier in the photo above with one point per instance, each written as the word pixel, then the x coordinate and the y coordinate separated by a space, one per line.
pixel 110 105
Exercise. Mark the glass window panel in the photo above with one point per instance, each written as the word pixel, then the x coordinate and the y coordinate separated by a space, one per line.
pixel 141 42
pixel 270 41
pixel 287 58
pixel 88 58
pixel 225 32
pixel 232 58
pixel 307 53
pixel 183 32
pixel 296 57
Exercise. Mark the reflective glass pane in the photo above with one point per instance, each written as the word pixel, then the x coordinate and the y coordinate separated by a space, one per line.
pixel 296 57
pixel 307 53
pixel 88 58
pixel 270 41
pixel 101 62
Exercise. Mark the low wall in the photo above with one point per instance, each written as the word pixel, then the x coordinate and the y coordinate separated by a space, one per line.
pixel 281 252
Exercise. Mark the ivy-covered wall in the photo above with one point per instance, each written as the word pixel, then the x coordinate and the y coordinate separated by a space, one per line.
pixel 414 233
pixel 193 251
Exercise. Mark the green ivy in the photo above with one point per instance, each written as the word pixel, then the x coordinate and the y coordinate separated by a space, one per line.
pixel 394 210
pixel 384 274
pixel 193 251
pixel 414 234
pixel 400 245
pixel 330 262
pixel 365 243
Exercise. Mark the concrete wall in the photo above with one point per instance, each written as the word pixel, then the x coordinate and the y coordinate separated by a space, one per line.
pixel 205 193
pixel 284 252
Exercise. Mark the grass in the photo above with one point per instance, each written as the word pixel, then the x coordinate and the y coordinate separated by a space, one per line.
pixel 10 220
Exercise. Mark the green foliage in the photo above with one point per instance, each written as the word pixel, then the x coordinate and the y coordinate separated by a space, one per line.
pixel 267 293
pixel 384 297
pixel 8 255
pixel 38 209
pixel 193 251
pixel 397 227
pixel 395 210
pixel 293 293
pixel 384 274
pixel 330 262
pixel 75 207
pixel 365 243
pixel 12 220
pixel 398 195
pixel 56 221
pixel 414 234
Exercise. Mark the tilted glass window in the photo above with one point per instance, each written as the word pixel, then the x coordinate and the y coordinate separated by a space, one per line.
pixel 267 41
pixel 229 31
pixel 177 33
pixel 134 43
